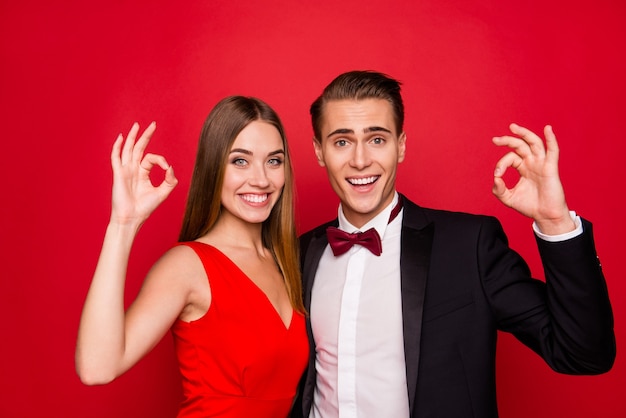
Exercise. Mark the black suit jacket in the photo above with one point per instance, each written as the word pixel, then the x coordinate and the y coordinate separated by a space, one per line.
pixel 461 283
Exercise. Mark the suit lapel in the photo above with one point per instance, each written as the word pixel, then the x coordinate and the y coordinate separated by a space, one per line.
pixel 311 251
pixel 312 255
pixel 416 246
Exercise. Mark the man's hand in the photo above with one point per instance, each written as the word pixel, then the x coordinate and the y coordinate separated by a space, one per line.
pixel 539 193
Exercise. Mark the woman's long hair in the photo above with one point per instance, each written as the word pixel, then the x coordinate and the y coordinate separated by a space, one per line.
pixel 227 119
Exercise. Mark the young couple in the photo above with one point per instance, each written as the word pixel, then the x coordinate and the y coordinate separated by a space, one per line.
pixel 390 310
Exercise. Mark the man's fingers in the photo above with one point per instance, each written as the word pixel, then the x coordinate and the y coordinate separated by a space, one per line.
pixel 500 190
pixel 510 159
pixel 535 143
pixel 552 144
pixel 519 145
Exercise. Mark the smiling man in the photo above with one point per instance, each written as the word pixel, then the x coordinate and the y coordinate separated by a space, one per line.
pixel 405 302
pixel 361 151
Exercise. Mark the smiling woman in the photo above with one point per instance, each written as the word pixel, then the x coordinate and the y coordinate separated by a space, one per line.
pixel 255 175
pixel 232 280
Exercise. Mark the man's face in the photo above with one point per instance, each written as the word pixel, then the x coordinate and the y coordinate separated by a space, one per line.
pixel 360 149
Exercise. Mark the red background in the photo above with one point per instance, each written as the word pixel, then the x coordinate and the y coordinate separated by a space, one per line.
pixel 74 74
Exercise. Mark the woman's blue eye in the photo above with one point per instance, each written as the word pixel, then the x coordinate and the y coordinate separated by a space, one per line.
pixel 239 161
pixel 275 161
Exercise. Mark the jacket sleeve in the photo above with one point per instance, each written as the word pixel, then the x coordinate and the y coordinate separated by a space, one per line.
pixel 567 319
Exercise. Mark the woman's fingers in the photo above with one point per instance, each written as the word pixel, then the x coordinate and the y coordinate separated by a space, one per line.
pixel 115 152
pixel 131 149
pixel 142 142
pixel 129 143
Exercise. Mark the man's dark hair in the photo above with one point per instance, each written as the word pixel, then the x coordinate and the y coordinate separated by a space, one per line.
pixel 359 85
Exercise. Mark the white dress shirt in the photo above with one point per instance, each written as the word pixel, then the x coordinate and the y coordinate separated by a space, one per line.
pixel 356 316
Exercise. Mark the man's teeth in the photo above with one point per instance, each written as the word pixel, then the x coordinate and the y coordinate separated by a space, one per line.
pixel 254 198
pixel 362 181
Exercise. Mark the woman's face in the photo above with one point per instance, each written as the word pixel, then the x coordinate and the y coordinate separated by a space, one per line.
pixel 255 173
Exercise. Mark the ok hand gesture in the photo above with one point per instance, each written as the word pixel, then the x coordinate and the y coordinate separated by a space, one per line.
pixel 539 193
pixel 134 195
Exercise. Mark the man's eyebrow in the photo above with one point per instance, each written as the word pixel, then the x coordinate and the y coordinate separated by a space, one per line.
pixel 340 131
pixel 344 131
pixel 377 129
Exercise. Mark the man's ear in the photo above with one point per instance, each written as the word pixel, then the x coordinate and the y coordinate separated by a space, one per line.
pixel 401 147
pixel 317 146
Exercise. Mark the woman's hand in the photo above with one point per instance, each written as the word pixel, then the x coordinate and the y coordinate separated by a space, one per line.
pixel 134 195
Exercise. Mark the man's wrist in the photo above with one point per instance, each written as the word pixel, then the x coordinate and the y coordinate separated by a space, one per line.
pixel 564 236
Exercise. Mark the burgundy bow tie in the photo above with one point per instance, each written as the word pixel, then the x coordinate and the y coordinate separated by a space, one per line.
pixel 341 241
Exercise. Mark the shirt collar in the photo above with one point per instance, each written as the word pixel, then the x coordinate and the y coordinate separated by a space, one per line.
pixel 378 222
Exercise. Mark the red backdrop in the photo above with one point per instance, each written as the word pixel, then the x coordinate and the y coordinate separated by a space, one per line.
pixel 74 74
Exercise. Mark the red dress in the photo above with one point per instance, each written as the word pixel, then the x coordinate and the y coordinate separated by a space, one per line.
pixel 239 359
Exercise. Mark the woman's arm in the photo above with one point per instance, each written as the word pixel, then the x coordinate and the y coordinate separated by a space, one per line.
pixel 109 341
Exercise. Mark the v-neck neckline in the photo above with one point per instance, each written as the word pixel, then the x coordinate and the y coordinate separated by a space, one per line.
pixel 286 326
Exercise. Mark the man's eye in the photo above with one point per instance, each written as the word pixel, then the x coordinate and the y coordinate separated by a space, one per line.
pixel 378 140
pixel 341 143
